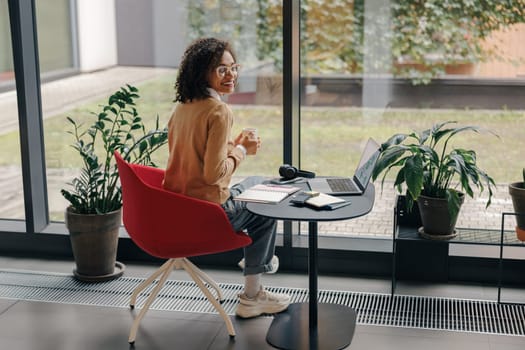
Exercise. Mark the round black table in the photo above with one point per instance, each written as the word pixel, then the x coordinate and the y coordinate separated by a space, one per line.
pixel 314 325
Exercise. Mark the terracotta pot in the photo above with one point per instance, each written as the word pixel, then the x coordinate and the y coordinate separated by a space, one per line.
pixel 466 68
pixel 517 193
pixel 520 234
pixel 436 218
pixel 94 240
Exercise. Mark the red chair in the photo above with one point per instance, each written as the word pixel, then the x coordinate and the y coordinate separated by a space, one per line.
pixel 172 226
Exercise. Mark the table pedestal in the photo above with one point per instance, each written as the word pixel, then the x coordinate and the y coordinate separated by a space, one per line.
pixel 290 329
pixel 312 325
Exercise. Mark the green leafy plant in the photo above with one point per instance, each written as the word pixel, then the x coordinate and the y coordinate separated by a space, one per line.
pixel 424 36
pixel 427 167
pixel 117 127
pixel 435 33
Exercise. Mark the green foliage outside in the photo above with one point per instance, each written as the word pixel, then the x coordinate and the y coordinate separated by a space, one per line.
pixel 436 33
pixel 414 39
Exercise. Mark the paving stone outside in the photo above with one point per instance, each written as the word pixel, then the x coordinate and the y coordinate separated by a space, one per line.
pixel 378 222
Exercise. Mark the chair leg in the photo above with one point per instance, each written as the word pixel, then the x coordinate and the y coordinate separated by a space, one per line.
pixel 206 279
pixel 165 270
pixel 196 274
pixel 147 282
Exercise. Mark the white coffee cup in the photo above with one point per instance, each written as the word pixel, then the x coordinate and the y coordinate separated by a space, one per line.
pixel 250 133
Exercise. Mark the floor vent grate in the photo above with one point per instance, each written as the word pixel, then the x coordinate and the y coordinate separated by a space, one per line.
pixel 462 315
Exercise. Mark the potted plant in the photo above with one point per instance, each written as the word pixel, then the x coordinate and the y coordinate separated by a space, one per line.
pixel 429 170
pixel 93 217
pixel 517 193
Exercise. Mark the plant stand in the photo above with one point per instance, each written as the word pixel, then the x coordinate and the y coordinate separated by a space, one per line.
pixel 501 245
pixel 412 253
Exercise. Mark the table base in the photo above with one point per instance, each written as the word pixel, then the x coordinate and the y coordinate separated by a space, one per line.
pixel 290 329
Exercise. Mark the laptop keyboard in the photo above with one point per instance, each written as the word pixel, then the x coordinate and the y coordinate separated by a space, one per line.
pixel 341 185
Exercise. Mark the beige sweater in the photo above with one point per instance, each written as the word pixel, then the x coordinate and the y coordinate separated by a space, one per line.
pixel 202 156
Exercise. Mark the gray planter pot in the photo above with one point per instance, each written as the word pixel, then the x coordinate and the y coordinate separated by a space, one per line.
pixel 435 217
pixel 94 241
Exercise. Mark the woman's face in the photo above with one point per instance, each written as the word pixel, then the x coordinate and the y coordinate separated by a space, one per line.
pixel 223 78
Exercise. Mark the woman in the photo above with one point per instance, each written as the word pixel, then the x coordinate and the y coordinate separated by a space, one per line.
pixel 203 158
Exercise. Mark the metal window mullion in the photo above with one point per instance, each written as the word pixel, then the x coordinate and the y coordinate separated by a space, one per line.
pixel 22 17
pixel 291 97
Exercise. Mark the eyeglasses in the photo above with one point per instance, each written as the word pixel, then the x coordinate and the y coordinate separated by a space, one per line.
pixel 222 70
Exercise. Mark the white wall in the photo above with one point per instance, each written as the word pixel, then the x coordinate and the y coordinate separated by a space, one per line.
pixel 97 39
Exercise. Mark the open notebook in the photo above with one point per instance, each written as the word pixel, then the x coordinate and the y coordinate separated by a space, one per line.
pixel 266 193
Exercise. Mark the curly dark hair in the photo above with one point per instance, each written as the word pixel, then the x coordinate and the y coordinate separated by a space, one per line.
pixel 201 57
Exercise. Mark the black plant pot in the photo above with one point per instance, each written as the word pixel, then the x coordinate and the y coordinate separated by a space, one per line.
pixel 436 219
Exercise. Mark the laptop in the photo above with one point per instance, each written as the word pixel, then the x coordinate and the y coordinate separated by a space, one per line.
pixel 355 185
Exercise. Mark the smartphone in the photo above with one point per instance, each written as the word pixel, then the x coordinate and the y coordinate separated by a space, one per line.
pixel 301 197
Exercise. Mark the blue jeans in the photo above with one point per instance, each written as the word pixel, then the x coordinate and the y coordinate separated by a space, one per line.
pixel 262 230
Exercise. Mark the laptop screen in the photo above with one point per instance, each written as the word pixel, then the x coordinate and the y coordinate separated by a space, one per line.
pixel 367 162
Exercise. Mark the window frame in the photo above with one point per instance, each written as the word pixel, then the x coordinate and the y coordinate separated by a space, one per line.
pixel 37 236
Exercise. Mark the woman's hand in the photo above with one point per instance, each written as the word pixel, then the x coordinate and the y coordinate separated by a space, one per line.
pixel 252 144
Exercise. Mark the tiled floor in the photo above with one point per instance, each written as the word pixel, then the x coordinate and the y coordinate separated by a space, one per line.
pixel 28 325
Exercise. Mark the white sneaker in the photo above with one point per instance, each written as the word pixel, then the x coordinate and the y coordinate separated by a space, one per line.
pixel 264 302
pixel 274 262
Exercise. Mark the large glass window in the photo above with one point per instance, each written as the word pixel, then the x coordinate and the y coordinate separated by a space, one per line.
pixel 11 189
pixel 6 53
pixel 56 56
pixel 376 68
pixel 368 69
pixel 142 45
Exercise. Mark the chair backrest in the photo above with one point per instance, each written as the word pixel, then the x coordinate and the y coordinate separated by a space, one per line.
pixel 166 224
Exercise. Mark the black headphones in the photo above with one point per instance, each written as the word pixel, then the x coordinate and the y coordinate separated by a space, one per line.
pixel 289 172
